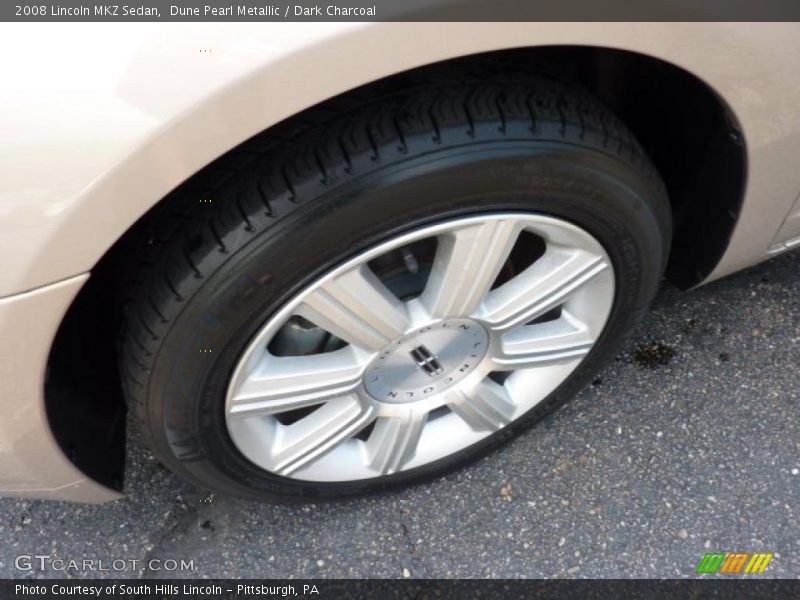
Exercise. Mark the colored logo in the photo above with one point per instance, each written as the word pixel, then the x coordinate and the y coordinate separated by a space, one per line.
pixel 734 563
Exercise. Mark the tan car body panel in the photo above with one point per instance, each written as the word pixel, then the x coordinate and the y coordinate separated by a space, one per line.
pixel 31 463
pixel 100 121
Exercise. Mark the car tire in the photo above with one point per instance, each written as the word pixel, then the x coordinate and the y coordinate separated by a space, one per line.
pixel 278 217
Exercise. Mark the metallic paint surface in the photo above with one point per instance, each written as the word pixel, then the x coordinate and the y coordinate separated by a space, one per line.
pixel 788 236
pixel 31 462
pixel 100 121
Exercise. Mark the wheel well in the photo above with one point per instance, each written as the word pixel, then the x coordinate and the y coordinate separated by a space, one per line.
pixel 689 132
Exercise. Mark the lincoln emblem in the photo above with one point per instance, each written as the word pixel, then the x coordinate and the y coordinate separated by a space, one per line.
pixel 426 360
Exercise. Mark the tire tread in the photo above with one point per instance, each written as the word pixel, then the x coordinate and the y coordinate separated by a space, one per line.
pixel 191 234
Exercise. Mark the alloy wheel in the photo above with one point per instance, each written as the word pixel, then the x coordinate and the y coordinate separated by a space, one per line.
pixel 419 347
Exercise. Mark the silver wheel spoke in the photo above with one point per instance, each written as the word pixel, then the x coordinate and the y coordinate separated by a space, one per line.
pixel 487 407
pixel 311 437
pixel 393 441
pixel 557 341
pixel 544 285
pixel 358 308
pixel 467 263
pixel 287 383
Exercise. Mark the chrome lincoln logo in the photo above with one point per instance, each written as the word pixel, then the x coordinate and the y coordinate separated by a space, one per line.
pixel 426 361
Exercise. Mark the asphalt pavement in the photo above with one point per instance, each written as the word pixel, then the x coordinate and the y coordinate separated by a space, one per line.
pixel 689 442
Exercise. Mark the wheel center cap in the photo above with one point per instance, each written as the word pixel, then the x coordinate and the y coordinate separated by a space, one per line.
pixel 427 361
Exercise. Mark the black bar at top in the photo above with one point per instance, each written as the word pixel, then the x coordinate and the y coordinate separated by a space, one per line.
pixel 399 10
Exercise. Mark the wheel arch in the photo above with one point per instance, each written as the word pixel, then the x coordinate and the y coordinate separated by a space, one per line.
pixel 696 143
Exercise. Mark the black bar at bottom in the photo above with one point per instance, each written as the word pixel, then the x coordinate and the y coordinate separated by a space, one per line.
pixel 417 589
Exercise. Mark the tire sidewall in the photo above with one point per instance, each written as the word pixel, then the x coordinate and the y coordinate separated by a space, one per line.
pixel 616 203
